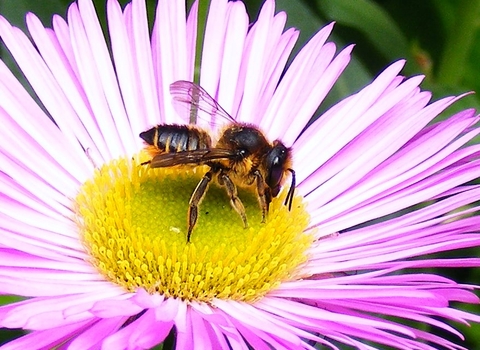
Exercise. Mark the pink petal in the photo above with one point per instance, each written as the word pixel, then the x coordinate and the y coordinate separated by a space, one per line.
pixel 169 54
pixel 136 22
pixel 46 339
pixel 93 336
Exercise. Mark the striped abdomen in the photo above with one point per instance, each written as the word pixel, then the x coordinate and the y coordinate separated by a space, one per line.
pixel 176 138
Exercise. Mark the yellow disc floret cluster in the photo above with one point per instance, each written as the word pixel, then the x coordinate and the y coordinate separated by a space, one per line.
pixel 133 223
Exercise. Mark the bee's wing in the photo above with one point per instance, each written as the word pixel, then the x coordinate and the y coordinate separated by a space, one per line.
pixel 199 156
pixel 193 103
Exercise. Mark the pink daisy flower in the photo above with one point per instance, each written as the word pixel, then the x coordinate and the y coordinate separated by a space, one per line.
pixel 97 241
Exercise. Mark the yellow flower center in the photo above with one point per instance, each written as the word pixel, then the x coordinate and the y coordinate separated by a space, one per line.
pixel 133 223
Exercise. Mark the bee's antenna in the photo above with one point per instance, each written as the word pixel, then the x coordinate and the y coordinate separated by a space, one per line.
pixel 291 190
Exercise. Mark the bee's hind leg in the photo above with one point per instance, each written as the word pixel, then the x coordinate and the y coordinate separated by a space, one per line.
pixel 235 201
pixel 195 200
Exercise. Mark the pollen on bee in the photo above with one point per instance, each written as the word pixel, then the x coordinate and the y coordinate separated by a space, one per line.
pixel 151 150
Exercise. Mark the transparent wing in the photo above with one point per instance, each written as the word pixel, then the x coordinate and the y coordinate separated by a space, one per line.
pixel 193 103
pixel 199 156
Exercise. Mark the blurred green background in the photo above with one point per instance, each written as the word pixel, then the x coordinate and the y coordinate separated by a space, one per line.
pixel 439 38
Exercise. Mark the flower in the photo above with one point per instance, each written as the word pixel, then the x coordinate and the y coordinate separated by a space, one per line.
pixel 74 193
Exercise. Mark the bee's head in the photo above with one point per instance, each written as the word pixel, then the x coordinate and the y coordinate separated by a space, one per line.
pixel 277 162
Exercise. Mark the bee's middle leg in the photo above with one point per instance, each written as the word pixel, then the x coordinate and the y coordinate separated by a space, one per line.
pixel 235 201
pixel 195 200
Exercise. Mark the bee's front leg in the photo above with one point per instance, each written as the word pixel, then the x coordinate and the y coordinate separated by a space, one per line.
pixel 224 179
pixel 263 192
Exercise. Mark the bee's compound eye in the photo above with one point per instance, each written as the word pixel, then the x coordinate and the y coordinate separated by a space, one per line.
pixel 275 190
pixel 275 173
pixel 275 162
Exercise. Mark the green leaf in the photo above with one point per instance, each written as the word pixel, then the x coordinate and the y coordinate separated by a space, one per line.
pixel 303 18
pixel 15 10
pixel 8 299
pixel 370 19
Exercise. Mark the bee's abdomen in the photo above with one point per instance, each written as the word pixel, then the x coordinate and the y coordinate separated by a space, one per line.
pixel 176 138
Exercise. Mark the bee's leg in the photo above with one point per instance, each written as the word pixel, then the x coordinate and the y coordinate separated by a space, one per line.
pixel 235 201
pixel 195 200
pixel 264 196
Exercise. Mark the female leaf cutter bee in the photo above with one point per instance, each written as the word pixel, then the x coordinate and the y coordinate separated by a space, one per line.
pixel 241 156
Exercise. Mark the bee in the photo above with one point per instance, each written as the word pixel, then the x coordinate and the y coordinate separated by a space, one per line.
pixel 242 155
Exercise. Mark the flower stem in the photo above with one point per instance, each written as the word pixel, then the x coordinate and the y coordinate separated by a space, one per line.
pixel 203 6
pixel 459 42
